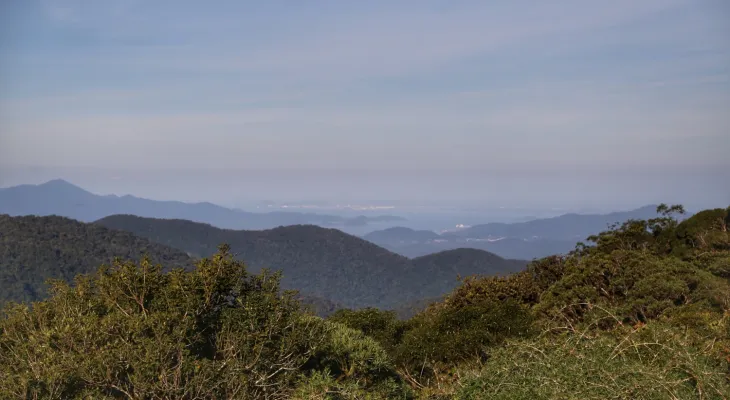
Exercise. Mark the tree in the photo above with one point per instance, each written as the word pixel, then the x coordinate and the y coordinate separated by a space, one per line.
pixel 133 332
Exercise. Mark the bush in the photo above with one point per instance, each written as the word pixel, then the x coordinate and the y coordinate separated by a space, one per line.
pixel 133 332
pixel 383 326
pixel 653 362
pixel 449 335
pixel 350 365
pixel 637 284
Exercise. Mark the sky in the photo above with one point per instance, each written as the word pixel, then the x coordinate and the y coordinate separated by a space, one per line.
pixel 567 102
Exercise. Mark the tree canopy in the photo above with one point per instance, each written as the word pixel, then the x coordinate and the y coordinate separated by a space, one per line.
pixel 640 312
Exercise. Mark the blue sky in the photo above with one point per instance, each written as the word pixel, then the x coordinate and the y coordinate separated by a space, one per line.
pixel 623 87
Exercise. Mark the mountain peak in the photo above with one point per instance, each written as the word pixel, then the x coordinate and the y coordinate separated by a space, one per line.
pixel 60 183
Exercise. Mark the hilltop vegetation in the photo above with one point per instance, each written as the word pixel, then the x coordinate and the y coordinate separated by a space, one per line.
pixel 642 312
pixel 325 263
pixel 34 249
pixel 217 332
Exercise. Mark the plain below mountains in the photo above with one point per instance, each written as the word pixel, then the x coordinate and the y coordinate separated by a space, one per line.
pixel 58 197
pixel 525 240
pixel 330 268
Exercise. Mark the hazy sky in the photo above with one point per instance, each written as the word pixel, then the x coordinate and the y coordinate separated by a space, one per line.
pixel 620 89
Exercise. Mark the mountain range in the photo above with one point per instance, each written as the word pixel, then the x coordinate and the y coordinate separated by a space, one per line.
pixel 323 262
pixel 523 240
pixel 59 197
pixel 330 268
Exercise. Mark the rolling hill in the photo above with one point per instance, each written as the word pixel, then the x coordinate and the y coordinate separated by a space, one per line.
pixel 58 197
pixel 33 249
pixel 465 262
pixel 324 263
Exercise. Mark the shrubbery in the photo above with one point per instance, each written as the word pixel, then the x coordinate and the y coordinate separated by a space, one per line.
pixel 643 311
pixel 657 276
pixel 652 362
pixel 217 332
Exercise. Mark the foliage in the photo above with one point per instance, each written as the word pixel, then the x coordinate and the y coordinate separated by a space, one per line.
pixel 35 249
pixel 441 337
pixel 641 313
pixel 649 362
pixel 382 326
pixel 643 274
pixel 350 364
pixel 705 231
pixel 131 331
pixel 639 285
pixel 326 263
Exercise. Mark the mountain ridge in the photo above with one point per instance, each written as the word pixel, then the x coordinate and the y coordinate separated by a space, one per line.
pixel 343 268
pixel 521 240
pixel 72 201
pixel 33 249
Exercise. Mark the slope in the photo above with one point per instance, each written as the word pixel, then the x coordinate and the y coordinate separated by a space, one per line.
pixel 33 249
pixel 465 262
pixel 320 262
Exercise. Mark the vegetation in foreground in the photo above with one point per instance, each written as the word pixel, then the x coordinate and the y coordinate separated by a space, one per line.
pixel 642 313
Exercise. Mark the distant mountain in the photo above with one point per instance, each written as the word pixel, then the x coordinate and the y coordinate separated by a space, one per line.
pixel 33 249
pixel 574 227
pixel 523 240
pixel 324 263
pixel 61 198
pixel 510 248
pixel 401 235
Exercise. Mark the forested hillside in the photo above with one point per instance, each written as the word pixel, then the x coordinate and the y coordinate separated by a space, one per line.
pixel 466 262
pixel 643 313
pixel 325 263
pixel 34 249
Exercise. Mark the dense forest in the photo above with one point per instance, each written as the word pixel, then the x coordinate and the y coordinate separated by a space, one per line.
pixel 330 268
pixel 640 311
pixel 325 263
pixel 35 249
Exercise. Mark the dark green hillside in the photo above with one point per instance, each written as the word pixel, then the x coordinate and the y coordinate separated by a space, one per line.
pixel 321 262
pixel 465 262
pixel 325 263
pixel 33 249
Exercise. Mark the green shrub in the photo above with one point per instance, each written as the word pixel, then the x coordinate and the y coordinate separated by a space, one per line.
pixel 449 335
pixel 383 326
pixel 637 284
pixel 654 362
pixel 216 332
pixel 350 364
